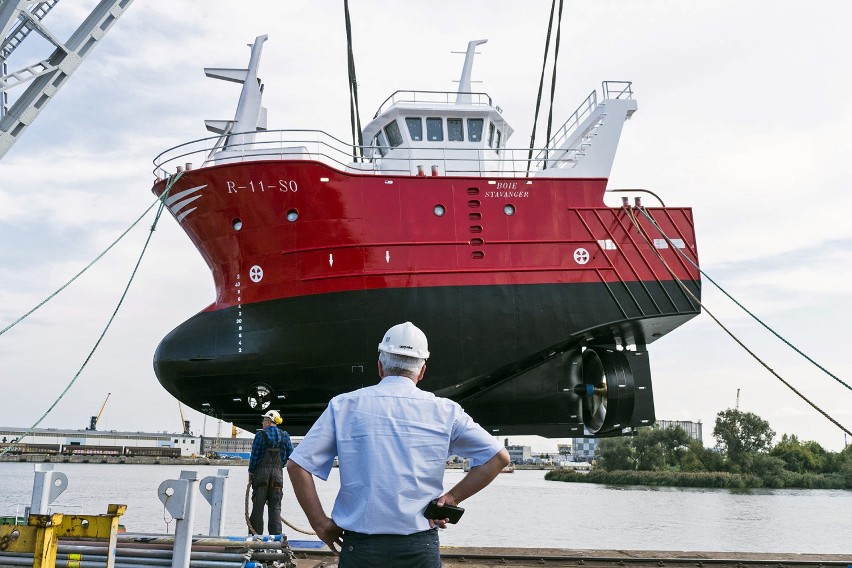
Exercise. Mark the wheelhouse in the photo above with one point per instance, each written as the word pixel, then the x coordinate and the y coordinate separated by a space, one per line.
pixel 426 133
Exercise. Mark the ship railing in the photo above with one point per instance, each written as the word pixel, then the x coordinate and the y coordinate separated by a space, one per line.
pixel 553 150
pixel 252 146
pixel 434 97
pixel 443 160
pixel 320 146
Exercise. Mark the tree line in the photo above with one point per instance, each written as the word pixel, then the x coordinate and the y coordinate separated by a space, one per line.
pixel 744 456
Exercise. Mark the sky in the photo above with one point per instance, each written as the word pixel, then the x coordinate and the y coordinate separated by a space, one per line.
pixel 744 116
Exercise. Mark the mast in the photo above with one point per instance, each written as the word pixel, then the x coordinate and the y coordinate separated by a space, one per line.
pixel 463 96
pixel 251 115
pixel 46 77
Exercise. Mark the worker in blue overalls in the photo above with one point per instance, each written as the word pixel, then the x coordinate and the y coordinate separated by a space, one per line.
pixel 269 453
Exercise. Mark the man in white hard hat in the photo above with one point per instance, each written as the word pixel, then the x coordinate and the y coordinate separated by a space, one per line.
pixel 269 453
pixel 392 441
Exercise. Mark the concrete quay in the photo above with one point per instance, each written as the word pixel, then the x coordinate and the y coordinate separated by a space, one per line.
pixel 499 557
pixel 145 460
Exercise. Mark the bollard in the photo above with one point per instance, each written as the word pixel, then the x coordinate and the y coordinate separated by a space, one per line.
pixel 178 496
pixel 47 486
pixel 213 489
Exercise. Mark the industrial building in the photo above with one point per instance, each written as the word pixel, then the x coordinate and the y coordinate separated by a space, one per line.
pixel 93 442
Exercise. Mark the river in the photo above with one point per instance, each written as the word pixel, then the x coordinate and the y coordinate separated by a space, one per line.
pixel 519 509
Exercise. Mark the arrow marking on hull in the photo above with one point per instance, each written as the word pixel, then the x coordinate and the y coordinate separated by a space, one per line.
pixel 331 260
pixel 387 256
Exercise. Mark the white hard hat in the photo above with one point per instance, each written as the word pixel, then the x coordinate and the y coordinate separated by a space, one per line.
pixel 405 339
pixel 273 415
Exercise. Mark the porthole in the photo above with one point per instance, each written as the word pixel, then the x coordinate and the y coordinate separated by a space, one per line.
pixel 440 210
pixel 292 215
pixel 509 209
pixel 476 242
pixel 237 224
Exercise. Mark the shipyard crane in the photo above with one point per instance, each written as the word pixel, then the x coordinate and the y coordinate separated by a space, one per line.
pixel 184 422
pixel 17 19
pixel 93 421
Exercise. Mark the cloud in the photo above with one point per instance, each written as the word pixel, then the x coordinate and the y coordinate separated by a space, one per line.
pixel 750 132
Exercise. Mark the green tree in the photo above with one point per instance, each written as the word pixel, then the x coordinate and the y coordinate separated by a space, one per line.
pixel 740 435
pixel 616 454
pixel 699 458
pixel 845 465
pixel 660 449
pixel 797 457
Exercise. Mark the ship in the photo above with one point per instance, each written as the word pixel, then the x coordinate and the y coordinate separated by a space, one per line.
pixel 538 299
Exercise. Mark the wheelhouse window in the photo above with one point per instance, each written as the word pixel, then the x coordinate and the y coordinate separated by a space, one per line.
pixel 381 143
pixel 393 134
pixel 474 129
pixel 415 128
pixel 435 129
pixel 497 142
pixel 491 135
pixel 455 131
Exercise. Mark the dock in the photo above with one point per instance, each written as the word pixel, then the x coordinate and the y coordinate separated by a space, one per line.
pixel 500 557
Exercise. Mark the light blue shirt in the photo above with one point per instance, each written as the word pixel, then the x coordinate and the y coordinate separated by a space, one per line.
pixel 392 441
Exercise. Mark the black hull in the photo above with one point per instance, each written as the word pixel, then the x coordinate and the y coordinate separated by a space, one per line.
pixel 505 352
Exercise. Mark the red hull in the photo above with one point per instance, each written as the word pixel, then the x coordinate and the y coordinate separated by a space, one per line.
pixel 361 232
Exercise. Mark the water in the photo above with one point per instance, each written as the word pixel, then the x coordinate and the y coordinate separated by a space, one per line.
pixel 519 509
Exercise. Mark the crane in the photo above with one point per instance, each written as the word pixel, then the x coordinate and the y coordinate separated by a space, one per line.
pixel 93 421
pixel 17 19
pixel 184 422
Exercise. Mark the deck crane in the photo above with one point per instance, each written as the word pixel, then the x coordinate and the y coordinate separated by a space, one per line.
pixel 93 421
pixel 17 19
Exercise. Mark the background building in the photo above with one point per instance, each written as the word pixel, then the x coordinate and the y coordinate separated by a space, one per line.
pixel 519 454
pixel 583 449
pixel 93 442
pixel 692 428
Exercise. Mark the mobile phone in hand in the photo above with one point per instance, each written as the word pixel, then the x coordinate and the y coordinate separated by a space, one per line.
pixel 451 512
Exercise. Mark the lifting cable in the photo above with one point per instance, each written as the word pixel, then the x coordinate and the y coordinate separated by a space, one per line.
pixel 553 80
pixel 757 319
pixel 541 87
pixel 354 111
pixel 162 200
pixel 694 298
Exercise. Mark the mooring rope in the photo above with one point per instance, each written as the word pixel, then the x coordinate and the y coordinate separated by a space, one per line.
pixel 687 291
pixel 283 520
pixel 746 310
pixel 162 200
pixel 88 266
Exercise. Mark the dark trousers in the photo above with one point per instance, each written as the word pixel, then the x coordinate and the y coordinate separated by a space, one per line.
pixel 265 493
pixel 418 550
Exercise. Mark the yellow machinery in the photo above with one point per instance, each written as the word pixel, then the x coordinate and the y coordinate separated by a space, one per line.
pixel 93 422
pixel 40 535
